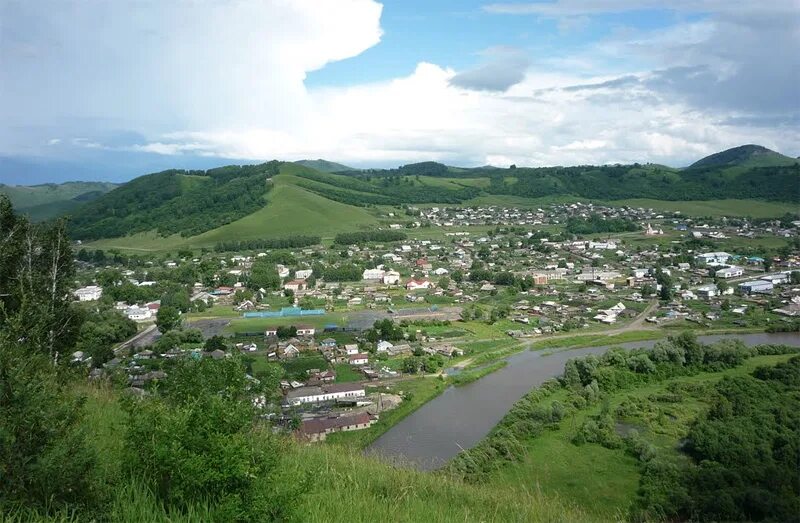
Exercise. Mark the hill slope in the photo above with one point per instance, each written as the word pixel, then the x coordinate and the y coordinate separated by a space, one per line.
pixel 745 155
pixel 324 166
pixel 41 202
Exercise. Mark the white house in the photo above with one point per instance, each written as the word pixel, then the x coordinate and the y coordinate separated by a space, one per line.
pixel 351 349
pixel 295 285
pixel 441 271
pixel 729 272
pixel 384 346
pixel 359 359
pixel 373 274
pixel 90 293
pixel 413 285
pixel 283 272
pixel 713 257
pixel 136 313
pixel 391 278
pixel 305 330
pixel 332 392
pixel 707 291
pixel 303 274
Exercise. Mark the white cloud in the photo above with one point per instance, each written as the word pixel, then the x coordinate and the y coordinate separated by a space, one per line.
pixel 226 79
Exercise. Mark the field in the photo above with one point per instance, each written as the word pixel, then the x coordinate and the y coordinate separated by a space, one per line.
pixel 752 208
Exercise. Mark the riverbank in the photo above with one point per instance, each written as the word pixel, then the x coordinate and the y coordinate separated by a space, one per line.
pixel 608 434
pixel 459 418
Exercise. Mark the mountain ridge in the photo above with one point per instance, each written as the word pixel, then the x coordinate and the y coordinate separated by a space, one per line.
pixel 193 204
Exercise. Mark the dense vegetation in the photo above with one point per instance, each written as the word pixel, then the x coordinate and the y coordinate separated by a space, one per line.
pixel 748 438
pixel 175 202
pixel 354 238
pixel 596 223
pixel 291 242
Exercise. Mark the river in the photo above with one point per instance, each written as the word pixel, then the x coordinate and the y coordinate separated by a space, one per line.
pixel 462 416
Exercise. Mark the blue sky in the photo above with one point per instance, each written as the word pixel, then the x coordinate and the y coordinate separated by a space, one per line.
pixel 111 90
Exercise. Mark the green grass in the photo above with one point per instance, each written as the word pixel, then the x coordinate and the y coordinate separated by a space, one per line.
pixel 588 340
pixel 753 208
pixel 346 373
pixel 464 378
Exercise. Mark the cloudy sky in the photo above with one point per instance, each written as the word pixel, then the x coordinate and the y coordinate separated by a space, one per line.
pixel 111 89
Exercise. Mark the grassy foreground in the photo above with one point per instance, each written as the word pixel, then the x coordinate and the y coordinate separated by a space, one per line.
pixel 344 486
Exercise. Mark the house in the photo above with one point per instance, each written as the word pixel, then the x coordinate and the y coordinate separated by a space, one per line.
pixel 305 330
pixel 391 278
pixel 331 392
pixel 756 287
pixel 295 285
pixel 707 291
pixel 350 349
pixel 384 346
pixel 373 274
pixel 270 332
pixel 399 350
pixel 729 272
pixel 283 272
pixel 413 285
pixel 136 313
pixel 441 271
pixel 713 257
pixel 303 274
pixel 358 359
pixel 290 351
pixel 90 293
pixel 328 343
pixel 317 429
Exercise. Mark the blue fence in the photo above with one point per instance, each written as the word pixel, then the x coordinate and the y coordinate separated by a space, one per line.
pixel 285 313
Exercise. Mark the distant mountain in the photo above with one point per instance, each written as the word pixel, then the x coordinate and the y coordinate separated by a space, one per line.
pixel 41 202
pixel 745 155
pixel 324 166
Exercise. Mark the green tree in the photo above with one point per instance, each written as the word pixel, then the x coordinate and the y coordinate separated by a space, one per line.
pixel 195 442
pixel 168 318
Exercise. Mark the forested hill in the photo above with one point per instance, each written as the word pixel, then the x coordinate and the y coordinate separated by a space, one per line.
pixel 176 201
pixel 750 155
pixel 194 202
pixel 44 201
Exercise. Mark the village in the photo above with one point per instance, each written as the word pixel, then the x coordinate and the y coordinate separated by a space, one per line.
pixel 355 328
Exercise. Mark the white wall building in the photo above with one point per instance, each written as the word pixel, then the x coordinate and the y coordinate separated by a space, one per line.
pixel 90 293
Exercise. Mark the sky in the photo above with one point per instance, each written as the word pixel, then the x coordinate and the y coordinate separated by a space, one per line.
pixel 100 90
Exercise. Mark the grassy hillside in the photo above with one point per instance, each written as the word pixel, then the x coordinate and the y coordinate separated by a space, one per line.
pixel 41 202
pixel 343 486
pixel 287 210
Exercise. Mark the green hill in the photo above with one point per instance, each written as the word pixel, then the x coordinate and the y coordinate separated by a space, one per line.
pixel 324 166
pixel 745 155
pixel 275 199
pixel 41 202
